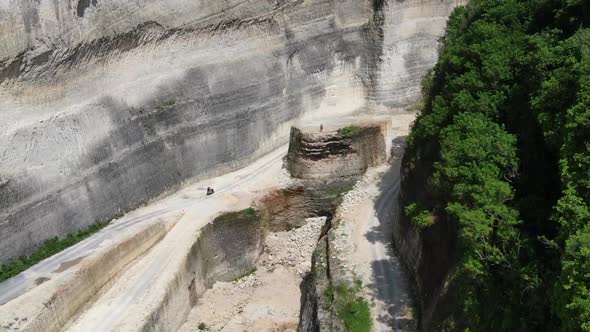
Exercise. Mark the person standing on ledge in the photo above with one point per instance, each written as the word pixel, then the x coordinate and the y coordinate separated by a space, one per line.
pixel 321 127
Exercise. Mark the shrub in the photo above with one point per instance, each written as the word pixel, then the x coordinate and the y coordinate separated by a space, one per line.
pixel 420 217
pixel 166 103
pixel 349 131
pixel 48 249
pixel 351 308
pixel 250 211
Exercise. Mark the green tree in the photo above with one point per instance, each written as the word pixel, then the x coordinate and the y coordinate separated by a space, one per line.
pixel 511 90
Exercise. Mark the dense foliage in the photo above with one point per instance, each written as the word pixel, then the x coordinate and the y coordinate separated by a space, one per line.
pixel 502 146
pixel 350 306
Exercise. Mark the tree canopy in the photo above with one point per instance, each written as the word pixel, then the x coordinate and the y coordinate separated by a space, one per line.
pixel 503 147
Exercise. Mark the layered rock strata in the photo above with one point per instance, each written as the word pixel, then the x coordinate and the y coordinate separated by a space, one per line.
pixel 347 151
pixel 105 105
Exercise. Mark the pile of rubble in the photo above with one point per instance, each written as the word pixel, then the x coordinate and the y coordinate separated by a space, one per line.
pixel 286 255
pixel 293 248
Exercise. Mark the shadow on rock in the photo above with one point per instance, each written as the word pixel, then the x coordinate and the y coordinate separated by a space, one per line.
pixel 391 286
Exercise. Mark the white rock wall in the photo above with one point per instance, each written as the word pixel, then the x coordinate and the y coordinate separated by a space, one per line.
pixel 106 107
pixel 412 30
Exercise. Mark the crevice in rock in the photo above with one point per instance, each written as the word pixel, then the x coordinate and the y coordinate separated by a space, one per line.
pixel 330 282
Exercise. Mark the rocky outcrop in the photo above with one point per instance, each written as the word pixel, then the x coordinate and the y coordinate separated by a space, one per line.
pixel 288 208
pixel 105 105
pixel 348 151
pixel 334 161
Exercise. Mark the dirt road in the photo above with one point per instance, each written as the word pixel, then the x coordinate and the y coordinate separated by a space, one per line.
pixel 137 292
pixel 20 284
pixel 369 213
pixel 390 286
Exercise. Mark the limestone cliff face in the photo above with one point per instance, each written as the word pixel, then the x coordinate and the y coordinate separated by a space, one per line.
pixel 107 104
pixel 429 254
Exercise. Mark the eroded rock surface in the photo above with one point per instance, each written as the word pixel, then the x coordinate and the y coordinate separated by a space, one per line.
pixel 348 151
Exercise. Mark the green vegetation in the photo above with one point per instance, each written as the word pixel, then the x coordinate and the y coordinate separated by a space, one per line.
pixel 501 150
pixel 349 131
pixel 352 308
pixel 202 326
pixel 249 214
pixel 48 249
pixel 419 216
pixel 166 103
pixel 247 274
pixel 339 189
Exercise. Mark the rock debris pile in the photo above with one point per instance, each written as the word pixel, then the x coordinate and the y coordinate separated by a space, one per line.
pixel 293 248
pixel 268 298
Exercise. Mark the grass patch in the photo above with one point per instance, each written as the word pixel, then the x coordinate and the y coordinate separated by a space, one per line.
pixel 349 131
pixel 351 308
pixel 419 216
pixel 47 249
pixel 247 274
pixel 166 103
pixel 249 214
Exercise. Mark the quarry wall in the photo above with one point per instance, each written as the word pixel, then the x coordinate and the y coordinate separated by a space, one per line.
pixel 225 250
pixel 106 105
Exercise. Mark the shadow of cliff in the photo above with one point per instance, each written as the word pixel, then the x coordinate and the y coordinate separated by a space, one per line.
pixel 398 306
pixel 391 285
